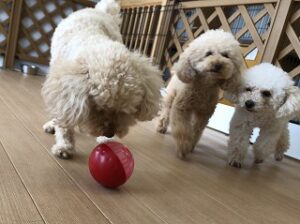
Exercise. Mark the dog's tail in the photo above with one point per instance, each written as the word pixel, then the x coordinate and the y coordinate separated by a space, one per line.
pixel 111 7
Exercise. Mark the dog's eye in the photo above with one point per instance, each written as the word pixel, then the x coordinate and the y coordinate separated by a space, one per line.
pixel 248 89
pixel 208 53
pixel 266 93
pixel 225 55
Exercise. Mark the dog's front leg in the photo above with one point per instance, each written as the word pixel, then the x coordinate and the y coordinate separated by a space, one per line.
pixel 266 143
pixel 238 144
pixel 64 146
pixel 163 121
pixel 182 130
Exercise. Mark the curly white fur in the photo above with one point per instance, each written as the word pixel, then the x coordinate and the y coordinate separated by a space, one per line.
pixel 211 62
pixel 267 100
pixel 95 82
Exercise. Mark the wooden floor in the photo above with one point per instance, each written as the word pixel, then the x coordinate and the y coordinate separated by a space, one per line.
pixel 37 188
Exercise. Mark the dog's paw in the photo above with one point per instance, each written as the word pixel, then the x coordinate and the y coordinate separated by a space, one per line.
pixel 180 154
pixel 235 159
pixel 258 160
pixel 161 126
pixel 236 164
pixel 63 151
pixel 258 157
pixel 279 156
pixel 49 127
pixel 161 129
pixel 183 151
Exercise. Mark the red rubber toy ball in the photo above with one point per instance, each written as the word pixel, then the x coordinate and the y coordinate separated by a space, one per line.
pixel 111 164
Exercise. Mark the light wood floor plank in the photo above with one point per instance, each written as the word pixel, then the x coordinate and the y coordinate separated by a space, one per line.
pixel 268 192
pixel 16 205
pixel 119 206
pixel 57 197
pixel 162 200
pixel 202 189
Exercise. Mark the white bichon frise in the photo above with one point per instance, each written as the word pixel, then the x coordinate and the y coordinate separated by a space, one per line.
pixel 267 100
pixel 95 82
pixel 211 62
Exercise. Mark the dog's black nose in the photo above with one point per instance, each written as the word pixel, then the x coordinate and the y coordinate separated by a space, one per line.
pixel 249 104
pixel 217 67
pixel 109 134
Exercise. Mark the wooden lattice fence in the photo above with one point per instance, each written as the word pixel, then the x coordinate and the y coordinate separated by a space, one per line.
pixel 287 52
pixel 38 21
pixel 250 23
pixel 26 27
pixel 5 16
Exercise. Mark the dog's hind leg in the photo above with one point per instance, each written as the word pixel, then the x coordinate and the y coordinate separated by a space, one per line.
pixel 182 130
pixel 164 118
pixel 266 143
pixel 282 144
pixel 200 122
pixel 64 146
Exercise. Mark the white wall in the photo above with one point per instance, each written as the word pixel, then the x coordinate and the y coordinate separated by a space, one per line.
pixel 1 61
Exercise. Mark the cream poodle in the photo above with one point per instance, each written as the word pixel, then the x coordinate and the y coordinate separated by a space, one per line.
pixel 267 100
pixel 95 82
pixel 211 62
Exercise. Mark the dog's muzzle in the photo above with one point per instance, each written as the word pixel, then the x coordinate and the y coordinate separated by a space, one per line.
pixel 216 67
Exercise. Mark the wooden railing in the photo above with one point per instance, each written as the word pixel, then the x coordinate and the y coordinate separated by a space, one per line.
pixel 283 46
pixel 145 26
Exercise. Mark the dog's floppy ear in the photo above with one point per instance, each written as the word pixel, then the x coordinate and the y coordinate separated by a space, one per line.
pixel 151 80
pixel 233 84
pixel 291 105
pixel 183 69
pixel 66 92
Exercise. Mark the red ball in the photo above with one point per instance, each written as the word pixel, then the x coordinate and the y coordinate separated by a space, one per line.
pixel 111 164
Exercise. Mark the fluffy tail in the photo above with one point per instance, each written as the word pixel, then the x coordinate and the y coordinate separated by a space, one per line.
pixel 111 7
